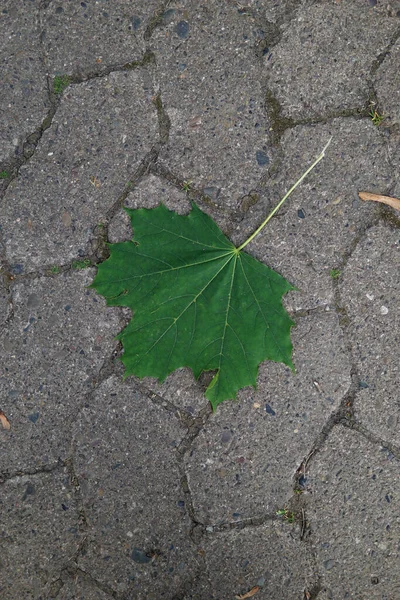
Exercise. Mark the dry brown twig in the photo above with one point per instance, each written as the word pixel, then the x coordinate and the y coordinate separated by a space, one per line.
pixel 4 421
pixel 393 202
pixel 249 594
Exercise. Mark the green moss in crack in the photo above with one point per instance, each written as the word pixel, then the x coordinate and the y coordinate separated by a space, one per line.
pixel 81 264
pixel 288 516
pixel 388 216
pixel 279 124
pixel 248 201
pixel 335 273
pixel 4 174
pixel 60 82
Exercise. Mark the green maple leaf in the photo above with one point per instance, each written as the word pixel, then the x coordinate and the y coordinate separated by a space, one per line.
pixel 197 301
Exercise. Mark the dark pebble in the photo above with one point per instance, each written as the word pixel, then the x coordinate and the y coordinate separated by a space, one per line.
pixel 34 417
pixel 181 503
pixel 136 22
pixel 301 213
pixel 59 10
pixel 30 490
pixel 373 2
pixel 262 158
pixel 168 16
pixel 182 29
pixel 182 66
pixel 17 269
pixel 363 385
pixel 270 410
pixel 265 50
pixel 212 192
pixel 302 481
pixel 139 556
pixel 388 498
pixel 328 564
pixel 64 507
pixel 68 307
pixel 226 436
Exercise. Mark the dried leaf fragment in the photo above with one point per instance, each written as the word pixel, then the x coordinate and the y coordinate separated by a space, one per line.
pixel 4 421
pixel 249 594
pixel 95 182
pixel 393 202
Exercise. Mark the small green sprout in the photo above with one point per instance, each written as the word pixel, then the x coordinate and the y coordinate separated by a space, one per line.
pixel 186 186
pixel 335 273
pixel 4 174
pixel 54 269
pixel 81 264
pixel 376 117
pixel 286 514
pixel 60 82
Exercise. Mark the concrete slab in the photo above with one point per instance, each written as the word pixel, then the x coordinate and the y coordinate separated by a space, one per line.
pixel 270 558
pixel 39 532
pixel 113 32
pixel 51 354
pixel 80 168
pixel 130 483
pixel 353 513
pixel 219 135
pixel 394 154
pixel 81 588
pixel 322 64
pixel 149 193
pixel 243 462
pixel 369 293
pixel 24 100
pixel 386 86
pixel 5 305
pixel 314 232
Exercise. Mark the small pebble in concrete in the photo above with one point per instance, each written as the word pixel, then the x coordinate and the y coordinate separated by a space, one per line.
pixel 136 21
pixel 182 29
pixel 139 556
pixel 262 158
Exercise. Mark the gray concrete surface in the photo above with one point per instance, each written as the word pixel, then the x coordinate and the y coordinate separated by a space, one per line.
pixel 127 489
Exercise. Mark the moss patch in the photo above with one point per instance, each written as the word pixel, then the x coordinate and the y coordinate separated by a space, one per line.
pixel 60 82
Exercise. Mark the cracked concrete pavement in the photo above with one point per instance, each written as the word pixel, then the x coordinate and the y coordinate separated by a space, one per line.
pixel 135 490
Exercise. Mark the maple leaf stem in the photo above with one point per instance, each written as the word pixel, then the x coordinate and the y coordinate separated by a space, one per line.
pixel 285 197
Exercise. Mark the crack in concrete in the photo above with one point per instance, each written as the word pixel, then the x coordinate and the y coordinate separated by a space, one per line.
pixel 373 438
pixel 156 20
pixel 56 466
pixel 72 572
pixel 83 522
pixel 13 165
